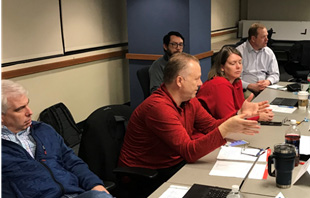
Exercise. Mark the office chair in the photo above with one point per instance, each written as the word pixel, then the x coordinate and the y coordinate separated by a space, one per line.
pixel 144 79
pixel 242 40
pixel 61 119
pixel 270 40
pixel 298 64
pixel 101 142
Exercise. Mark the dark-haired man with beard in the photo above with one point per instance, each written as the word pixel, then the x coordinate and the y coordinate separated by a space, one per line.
pixel 173 42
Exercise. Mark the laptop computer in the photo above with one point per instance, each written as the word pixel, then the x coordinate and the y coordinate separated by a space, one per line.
pixel 206 191
pixel 285 101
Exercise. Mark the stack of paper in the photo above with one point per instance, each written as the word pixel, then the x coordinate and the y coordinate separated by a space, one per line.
pixel 276 86
pixel 175 191
pixel 236 162
pixel 282 109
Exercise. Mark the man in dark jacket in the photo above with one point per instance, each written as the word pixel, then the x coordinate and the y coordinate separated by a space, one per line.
pixel 35 160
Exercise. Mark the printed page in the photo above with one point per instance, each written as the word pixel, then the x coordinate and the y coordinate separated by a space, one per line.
pixel 304 145
pixel 240 154
pixel 276 86
pixel 282 109
pixel 175 191
pixel 238 169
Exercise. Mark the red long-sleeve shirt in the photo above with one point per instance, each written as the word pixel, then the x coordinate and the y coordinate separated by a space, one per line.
pixel 220 97
pixel 159 133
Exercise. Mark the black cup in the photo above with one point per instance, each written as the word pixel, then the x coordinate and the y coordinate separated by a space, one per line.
pixel 283 158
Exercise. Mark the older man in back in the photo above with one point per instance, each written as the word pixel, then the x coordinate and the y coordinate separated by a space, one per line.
pixel 260 66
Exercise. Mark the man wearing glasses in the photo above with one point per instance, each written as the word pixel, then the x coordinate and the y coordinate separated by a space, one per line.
pixel 173 43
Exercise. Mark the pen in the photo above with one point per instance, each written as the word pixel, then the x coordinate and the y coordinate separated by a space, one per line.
pixel 262 151
pixel 257 157
pixel 304 120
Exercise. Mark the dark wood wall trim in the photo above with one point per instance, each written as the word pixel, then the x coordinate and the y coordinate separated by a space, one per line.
pixel 223 32
pixel 142 56
pixel 75 61
pixel 61 64
pixel 155 57
pixel 204 55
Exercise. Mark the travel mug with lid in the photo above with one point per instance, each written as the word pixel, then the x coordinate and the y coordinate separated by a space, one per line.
pixel 283 158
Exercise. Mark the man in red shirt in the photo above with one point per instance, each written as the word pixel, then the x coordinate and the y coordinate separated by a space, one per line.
pixel 160 131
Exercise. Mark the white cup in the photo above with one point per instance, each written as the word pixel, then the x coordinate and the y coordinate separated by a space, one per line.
pixel 304 87
pixel 303 100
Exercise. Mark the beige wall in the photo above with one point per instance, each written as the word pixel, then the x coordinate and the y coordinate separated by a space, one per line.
pixel 82 88
pixel 224 14
pixel 86 87
pixel 279 10
pixel 227 13
pixel 275 10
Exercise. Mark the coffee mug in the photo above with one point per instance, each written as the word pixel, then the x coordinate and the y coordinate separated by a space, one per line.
pixel 283 158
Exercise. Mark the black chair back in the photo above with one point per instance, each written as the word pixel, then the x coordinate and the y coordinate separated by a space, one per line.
pixel 102 139
pixel 144 79
pixel 298 64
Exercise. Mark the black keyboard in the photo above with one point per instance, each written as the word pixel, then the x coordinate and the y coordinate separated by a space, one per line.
pixel 285 101
pixel 217 193
pixel 204 191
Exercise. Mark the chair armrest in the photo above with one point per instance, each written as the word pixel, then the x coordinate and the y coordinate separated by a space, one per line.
pixel 135 171
pixel 109 185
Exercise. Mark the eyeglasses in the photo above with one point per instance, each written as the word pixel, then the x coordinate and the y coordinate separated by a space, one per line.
pixel 252 151
pixel 286 121
pixel 175 45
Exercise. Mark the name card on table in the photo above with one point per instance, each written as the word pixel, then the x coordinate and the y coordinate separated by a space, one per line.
pixel 303 177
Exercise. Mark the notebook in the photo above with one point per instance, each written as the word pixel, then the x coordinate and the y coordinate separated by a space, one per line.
pixel 285 101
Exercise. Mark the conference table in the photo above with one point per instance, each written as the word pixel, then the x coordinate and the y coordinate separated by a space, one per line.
pixel 268 136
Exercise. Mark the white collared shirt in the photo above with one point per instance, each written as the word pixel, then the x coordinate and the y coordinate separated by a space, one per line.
pixel 258 65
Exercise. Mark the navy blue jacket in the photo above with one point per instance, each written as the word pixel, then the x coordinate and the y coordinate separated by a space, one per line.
pixel 55 171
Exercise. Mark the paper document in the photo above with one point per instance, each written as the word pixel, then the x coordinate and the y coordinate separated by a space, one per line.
pixel 280 195
pixel 237 161
pixel 282 109
pixel 276 86
pixel 240 154
pixel 175 191
pixel 303 175
pixel 238 169
pixel 304 147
